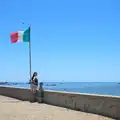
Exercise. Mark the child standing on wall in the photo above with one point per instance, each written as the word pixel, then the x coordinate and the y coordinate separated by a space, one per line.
pixel 34 82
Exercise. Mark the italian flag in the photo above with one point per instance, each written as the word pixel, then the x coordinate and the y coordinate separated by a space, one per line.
pixel 20 36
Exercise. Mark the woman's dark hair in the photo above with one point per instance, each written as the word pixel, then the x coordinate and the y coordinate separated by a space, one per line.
pixel 34 74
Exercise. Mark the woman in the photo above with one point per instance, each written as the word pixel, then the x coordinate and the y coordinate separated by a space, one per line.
pixel 34 82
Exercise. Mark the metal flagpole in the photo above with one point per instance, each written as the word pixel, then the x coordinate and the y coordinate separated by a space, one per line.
pixel 30 52
pixel 29 28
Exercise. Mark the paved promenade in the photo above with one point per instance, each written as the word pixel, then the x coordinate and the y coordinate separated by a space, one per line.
pixel 12 109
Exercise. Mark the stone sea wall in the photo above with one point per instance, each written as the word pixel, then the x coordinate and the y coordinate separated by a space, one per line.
pixel 103 105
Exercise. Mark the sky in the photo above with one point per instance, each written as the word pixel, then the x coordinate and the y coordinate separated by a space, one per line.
pixel 71 40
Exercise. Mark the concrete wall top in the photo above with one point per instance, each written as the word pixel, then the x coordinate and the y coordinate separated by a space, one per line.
pixel 64 92
pixel 14 87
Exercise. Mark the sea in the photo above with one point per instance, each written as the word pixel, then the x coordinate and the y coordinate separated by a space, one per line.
pixel 102 88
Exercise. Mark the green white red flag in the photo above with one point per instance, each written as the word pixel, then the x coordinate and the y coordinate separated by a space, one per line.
pixel 20 36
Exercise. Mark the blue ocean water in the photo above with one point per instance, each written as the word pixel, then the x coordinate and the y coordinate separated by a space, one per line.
pixel 104 88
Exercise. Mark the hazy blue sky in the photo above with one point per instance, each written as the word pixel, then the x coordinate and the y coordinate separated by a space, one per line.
pixel 72 40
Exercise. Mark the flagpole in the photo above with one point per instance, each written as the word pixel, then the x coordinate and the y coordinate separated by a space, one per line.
pixel 30 70
pixel 30 53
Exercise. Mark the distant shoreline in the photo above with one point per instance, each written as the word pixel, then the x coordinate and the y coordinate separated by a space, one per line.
pixel 3 83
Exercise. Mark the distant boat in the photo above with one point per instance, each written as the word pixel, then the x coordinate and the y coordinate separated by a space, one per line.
pixel 28 83
pixel 51 85
pixel 62 82
pixel 14 83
